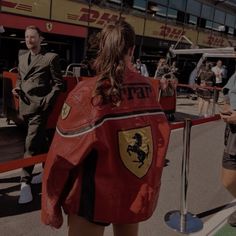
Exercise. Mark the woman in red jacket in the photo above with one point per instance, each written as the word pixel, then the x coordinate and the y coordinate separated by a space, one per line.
pixel 106 159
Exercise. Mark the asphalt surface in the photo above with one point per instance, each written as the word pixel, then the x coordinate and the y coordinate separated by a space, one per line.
pixel 205 196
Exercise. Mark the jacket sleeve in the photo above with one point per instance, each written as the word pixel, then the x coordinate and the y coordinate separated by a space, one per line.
pixel 57 80
pixel 55 177
pixel 70 146
pixel 64 155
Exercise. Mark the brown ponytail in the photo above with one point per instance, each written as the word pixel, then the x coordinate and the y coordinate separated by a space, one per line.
pixel 115 41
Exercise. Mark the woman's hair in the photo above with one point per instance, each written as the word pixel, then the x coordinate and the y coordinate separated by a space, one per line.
pixel 115 41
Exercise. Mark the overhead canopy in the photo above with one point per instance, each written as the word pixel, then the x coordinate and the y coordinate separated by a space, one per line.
pixel 217 54
pixel 226 50
pixel 220 55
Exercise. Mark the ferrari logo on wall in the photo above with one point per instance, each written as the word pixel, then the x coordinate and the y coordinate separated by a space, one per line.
pixel 49 26
pixel 136 150
pixel 65 111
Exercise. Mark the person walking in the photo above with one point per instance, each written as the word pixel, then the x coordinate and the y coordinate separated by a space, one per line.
pixel 205 80
pixel 141 68
pixel 106 159
pixel 228 174
pixel 162 68
pixel 219 72
pixel 39 83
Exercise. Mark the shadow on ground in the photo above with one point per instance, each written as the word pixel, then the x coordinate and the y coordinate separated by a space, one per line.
pixel 215 210
pixel 11 143
pixel 10 194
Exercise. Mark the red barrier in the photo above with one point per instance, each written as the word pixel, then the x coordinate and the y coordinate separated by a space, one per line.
pixel 193 87
pixel 168 103
pixel 199 121
pixel 176 125
pixel 16 164
pixel 205 120
pixel 186 86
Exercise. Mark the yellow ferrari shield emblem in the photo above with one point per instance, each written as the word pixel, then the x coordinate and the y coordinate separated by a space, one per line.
pixel 136 150
pixel 65 111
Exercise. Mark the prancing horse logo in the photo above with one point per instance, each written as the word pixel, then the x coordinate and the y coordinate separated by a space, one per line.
pixel 136 148
pixel 49 26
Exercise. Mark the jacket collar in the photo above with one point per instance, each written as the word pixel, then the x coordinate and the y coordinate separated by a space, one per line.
pixel 29 67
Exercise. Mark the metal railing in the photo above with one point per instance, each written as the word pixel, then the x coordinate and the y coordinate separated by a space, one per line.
pixel 76 69
pixel 182 220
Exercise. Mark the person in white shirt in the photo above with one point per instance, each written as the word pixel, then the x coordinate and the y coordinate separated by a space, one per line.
pixel 219 73
pixel 141 68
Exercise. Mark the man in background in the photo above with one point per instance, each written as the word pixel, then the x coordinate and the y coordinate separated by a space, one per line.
pixel 219 72
pixel 141 68
pixel 38 85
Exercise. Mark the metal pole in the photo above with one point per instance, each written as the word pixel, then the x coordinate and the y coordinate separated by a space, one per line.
pixel 185 174
pixel 3 113
pixel 88 26
pixel 182 220
pixel 143 34
pixel 3 84
pixel 214 101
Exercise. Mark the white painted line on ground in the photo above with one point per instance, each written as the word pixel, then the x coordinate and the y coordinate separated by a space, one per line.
pixel 216 222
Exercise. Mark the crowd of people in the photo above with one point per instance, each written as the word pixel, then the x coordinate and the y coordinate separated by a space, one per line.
pixel 167 74
pixel 207 77
pixel 120 134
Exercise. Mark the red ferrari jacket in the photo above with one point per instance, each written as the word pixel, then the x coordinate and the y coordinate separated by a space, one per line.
pixel 105 162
